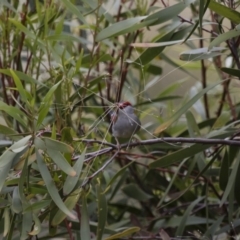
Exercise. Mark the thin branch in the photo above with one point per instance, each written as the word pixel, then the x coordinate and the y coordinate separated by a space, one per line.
pixel 100 169
pixel 180 140
pixel 204 81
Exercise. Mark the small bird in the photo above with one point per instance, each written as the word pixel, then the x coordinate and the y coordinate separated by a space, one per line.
pixel 125 122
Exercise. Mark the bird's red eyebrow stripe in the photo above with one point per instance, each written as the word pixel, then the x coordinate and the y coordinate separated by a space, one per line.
pixel 122 105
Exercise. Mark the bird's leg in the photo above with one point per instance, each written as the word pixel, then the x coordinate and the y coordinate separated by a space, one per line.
pixel 118 144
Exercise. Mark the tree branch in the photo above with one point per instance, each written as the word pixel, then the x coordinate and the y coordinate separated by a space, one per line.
pixel 179 140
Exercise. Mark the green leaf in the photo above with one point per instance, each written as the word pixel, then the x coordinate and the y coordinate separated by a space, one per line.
pixel 224 11
pixel 37 206
pixel 25 30
pixel 223 37
pixel 178 155
pixel 231 180
pixel 7 130
pixel 169 12
pixel 102 211
pixel 149 54
pixel 19 86
pixel 45 143
pixel 11 152
pixel 211 231
pixel 46 103
pixel 133 191
pixel 14 112
pixel 221 121
pixel 122 27
pixel 74 10
pixel 24 77
pixel 182 223
pixel 16 201
pixel 71 181
pixel 63 37
pixel 118 174
pixel 70 203
pixel 166 192
pixel 7 157
pixel 6 215
pixel 36 227
pixel 224 171
pixel 125 233
pixel 200 54
pixel 61 162
pixel 52 190
pixel 188 151
pixel 231 71
pixel 185 108
pixel 85 227
pixel 202 11
pixel 26 225
pixel 236 185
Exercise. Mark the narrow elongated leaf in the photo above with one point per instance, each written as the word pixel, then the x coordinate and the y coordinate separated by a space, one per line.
pixel 36 227
pixel 184 109
pixel 231 180
pixel 22 28
pixel 19 86
pixel 6 221
pixel 164 235
pixel 189 151
pixel 178 155
pixel 119 173
pixel 224 11
pixel 46 103
pixel 200 54
pixel 157 44
pixel 149 54
pixel 224 37
pixel 16 201
pixel 11 152
pixel 71 181
pixel 224 171
pixel 94 5
pixel 231 71
pixel 170 184
pixel 4 169
pixel 85 227
pixel 73 9
pixel 52 190
pixel 45 143
pixel 221 121
pixel 123 27
pixel 126 233
pixel 26 225
pixel 61 162
pixel 133 191
pixel 14 112
pixel 22 142
pixel 70 203
pixel 236 185
pixel 63 37
pixel 214 227
pixel 24 77
pixel 7 130
pixel 102 211
pixel 168 13
pixel 184 218
pixel 37 206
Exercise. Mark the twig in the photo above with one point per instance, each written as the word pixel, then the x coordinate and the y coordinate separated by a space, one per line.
pixel 100 169
pixel 180 140
pixel 204 80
